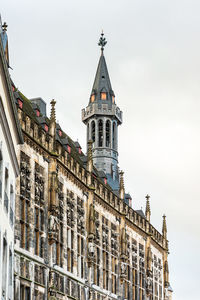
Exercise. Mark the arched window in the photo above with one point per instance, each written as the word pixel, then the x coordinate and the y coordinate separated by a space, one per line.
pixel 103 96
pixel 4 266
pixel 100 128
pixel 92 98
pixel 88 130
pixel 93 131
pixel 107 133
pixel 114 136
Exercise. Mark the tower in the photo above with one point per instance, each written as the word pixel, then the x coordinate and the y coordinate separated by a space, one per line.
pixel 102 117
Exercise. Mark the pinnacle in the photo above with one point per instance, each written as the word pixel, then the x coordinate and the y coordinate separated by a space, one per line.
pixel 53 111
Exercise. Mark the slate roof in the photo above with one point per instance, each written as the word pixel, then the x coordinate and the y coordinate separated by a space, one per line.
pixel 141 213
pixel 102 82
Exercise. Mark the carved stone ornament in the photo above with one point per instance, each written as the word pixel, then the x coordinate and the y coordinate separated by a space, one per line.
pixel 149 285
pixel 123 268
pixel 53 228
pixel 166 293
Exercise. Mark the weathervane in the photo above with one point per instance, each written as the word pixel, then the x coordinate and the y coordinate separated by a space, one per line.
pixel 102 41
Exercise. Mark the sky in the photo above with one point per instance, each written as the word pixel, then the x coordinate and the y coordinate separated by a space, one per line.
pixel 153 60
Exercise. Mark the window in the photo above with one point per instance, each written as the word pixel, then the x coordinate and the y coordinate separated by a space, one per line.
pixel 25 187
pixel 1 172
pixel 10 270
pixel 20 103
pixel 68 149
pixel 25 292
pixel 92 98
pixel 37 112
pixel 100 125
pixel 107 133
pixel 39 211
pixel 11 204
pixel 114 136
pixel 93 131
pixel 103 96
pixel 4 268
pixel 6 199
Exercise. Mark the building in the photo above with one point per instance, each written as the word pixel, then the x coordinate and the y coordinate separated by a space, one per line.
pixel 10 136
pixel 76 234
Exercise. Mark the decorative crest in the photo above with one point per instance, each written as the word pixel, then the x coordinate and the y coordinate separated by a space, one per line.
pixel 102 41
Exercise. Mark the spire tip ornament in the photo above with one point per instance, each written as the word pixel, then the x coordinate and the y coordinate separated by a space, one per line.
pixel 102 42
pixel 4 27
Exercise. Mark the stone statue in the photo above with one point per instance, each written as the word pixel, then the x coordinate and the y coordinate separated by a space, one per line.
pixel 90 249
pixel 53 223
pixel 123 268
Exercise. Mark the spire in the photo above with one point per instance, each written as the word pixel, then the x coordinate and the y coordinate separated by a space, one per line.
pixel 166 274
pixel 53 111
pixel 121 185
pixel 102 89
pixel 89 156
pixel 52 126
pixel 164 227
pixel 148 210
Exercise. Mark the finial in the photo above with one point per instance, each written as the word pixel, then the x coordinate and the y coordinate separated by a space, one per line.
pixel 121 185
pixel 121 173
pixel 102 41
pixel 164 228
pixel 147 197
pixel 53 111
pixel 4 26
pixel 148 210
pixel 89 156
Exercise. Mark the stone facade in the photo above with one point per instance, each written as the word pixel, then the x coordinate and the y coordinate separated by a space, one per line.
pixel 75 236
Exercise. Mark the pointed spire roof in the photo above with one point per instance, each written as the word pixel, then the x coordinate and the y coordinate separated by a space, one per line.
pixel 102 82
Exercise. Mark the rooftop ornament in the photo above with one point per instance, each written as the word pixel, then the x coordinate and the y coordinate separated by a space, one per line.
pixel 4 26
pixel 102 42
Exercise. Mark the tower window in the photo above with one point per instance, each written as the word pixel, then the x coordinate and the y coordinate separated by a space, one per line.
pixel 93 131
pixel 113 99
pixel 107 133
pixel 92 98
pixel 103 96
pixel 100 133
pixel 114 136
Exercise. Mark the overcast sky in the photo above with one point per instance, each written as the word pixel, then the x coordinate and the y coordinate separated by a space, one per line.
pixel 153 58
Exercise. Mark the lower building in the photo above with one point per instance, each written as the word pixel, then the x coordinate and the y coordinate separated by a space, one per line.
pixel 10 136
